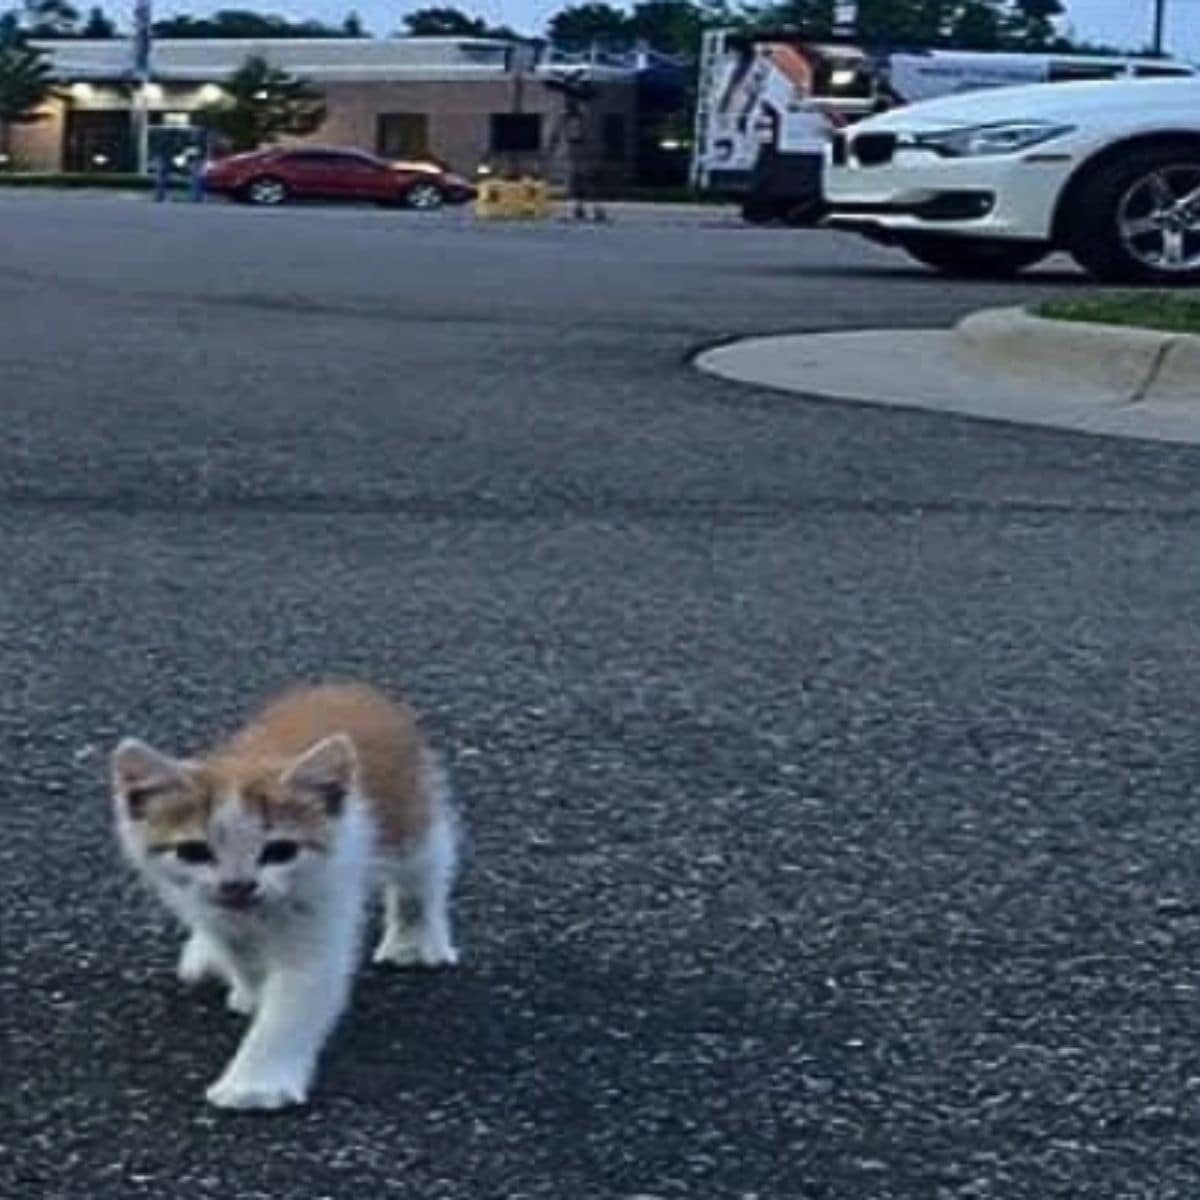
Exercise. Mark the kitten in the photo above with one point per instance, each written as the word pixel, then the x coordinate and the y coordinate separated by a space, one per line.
pixel 267 848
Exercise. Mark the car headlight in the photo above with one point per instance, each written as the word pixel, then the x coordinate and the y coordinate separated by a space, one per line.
pixel 978 141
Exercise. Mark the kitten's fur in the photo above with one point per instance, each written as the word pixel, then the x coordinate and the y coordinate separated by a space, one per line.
pixel 266 849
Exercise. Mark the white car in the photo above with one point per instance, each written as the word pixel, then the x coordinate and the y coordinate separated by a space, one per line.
pixel 990 183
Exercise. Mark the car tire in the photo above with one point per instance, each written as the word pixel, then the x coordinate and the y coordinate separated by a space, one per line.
pixel 806 215
pixel 424 197
pixel 266 191
pixel 1123 222
pixel 966 258
pixel 758 211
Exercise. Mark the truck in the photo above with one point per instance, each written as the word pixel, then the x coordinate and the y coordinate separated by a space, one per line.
pixel 769 103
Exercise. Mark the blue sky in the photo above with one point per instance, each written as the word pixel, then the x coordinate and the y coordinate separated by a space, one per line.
pixel 1121 22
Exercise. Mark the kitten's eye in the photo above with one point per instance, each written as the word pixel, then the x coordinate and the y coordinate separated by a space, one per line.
pixel 194 853
pixel 276 853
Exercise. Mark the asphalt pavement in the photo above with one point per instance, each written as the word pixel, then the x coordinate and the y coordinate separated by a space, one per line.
pixel 830 770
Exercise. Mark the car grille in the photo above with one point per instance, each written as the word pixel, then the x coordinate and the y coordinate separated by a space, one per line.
pixel 874 149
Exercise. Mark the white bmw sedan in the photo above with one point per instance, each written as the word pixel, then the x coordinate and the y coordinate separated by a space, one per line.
pixel 990 183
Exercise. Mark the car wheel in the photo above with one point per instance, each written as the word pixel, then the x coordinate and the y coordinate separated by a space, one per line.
pixel 757 211
pixel 267 191
pixel 424 197
pixel 965 258
pixel 1137 219
pixel 806 215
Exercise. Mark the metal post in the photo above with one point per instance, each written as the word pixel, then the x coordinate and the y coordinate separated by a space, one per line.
pixel 141 129
pixel 143 22
pixel 1160 26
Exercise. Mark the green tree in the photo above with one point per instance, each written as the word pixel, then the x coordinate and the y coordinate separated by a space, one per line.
pixel 263 104
pixel 978 25
pixel 961 24
pixel 814 18
pixel 51 18
pixel 352 26
pixel 26 84
pixel 670 26
pixel 1031 23
pixel 98 25
pixel 449 22
pixel 242 23
pixel 593 23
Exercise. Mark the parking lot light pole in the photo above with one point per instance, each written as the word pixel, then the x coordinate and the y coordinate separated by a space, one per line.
pixel 1160 25
pixel 142 36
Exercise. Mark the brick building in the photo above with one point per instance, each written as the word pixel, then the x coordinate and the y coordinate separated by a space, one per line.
pixel 466 101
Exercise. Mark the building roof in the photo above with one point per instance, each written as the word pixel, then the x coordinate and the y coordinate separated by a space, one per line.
pixel 318 59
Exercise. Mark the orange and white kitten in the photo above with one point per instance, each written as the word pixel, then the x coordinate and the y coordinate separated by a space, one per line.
pixel 267 848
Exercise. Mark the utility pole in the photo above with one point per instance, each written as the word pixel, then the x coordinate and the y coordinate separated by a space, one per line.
pixel 142 48
pixel 1160 25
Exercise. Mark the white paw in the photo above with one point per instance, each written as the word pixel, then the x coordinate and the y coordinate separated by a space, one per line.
pixel 242 1000
pixel 195 963
pixel 265 1093
pixel 415 952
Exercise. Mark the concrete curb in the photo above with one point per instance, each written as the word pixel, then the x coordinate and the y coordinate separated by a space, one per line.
pixel 999 365
pixel 1139 364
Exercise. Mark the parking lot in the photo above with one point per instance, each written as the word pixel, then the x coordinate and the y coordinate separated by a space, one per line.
pixel 829 770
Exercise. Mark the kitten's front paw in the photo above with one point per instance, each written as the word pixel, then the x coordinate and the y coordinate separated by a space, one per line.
pixel 242 1000
pixel 195 962
pixel 415 952
pixel 265 1094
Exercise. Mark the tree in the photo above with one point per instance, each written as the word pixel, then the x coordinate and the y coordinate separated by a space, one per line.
pixel 51 18
pixel 445 22
pixel 26 84
pixel 589 24
pixel 352 26
pixel 978 25
pixel 98 25
pixel 814 17
pixel 669 26
pixel 242 23
pixel 1031 23
pixel 961 24
pixel 263 104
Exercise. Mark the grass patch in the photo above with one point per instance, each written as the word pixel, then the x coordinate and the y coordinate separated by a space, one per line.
pixel 1170 312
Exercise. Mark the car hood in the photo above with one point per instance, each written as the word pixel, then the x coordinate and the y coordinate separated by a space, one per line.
pixel 1069 103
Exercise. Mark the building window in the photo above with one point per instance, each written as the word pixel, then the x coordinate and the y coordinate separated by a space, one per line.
pixel 98 140
pixel 516 133
pixel 614 137
pixel 402 135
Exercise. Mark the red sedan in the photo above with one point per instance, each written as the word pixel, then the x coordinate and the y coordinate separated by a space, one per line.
pixel 282 173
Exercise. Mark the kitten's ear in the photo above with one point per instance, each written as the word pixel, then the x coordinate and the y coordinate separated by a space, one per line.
pixel 139 773
pixel 327 772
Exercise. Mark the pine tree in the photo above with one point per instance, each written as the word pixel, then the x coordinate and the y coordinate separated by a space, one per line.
pixel 26 84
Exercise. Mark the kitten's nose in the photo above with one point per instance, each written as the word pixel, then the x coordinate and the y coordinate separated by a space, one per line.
pixel 237 893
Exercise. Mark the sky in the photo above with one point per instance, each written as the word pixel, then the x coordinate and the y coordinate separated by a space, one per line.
pixel 1117 22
